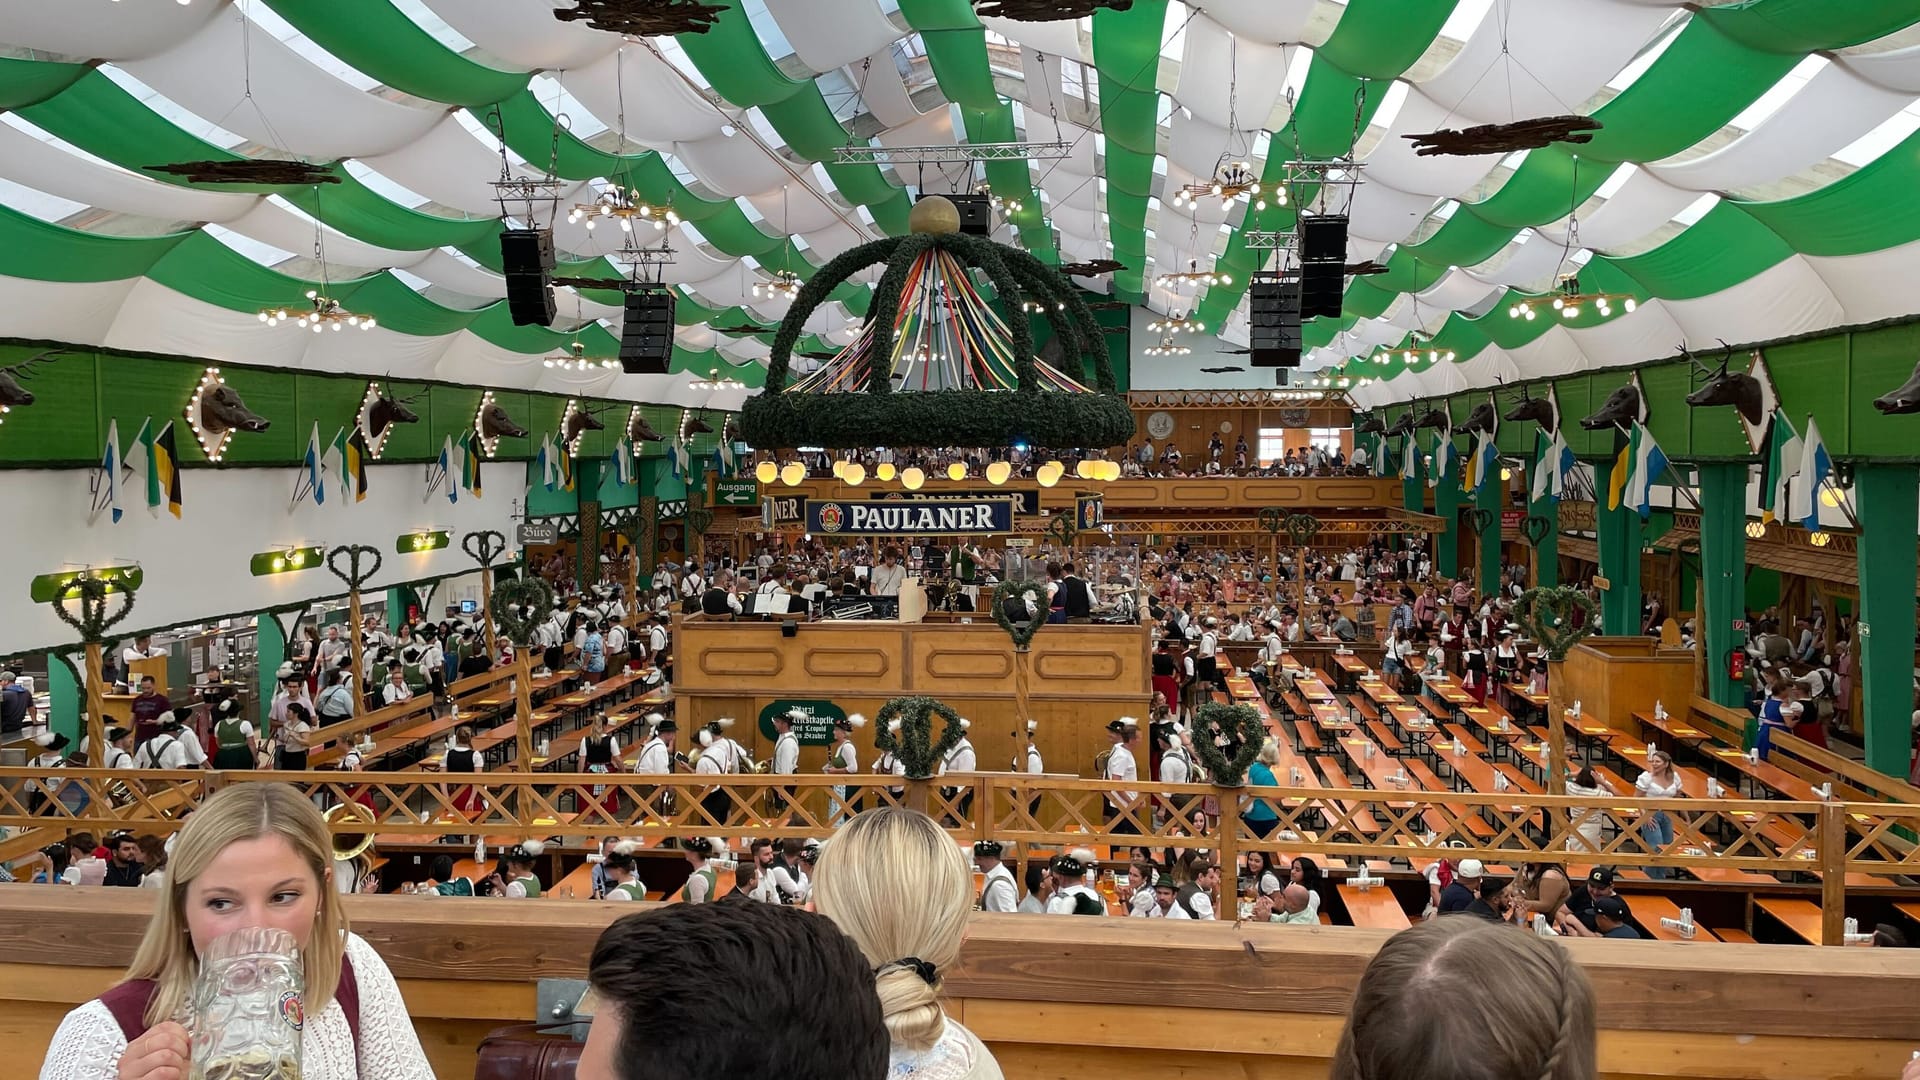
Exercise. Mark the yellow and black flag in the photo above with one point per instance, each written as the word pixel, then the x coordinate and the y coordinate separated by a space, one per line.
pixel 166 468
pixel 356 464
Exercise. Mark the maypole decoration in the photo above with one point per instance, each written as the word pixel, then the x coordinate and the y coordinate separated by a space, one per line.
pixel 935 365
pixel 485 547
pixel 88 591
pixel 355 576
pixel 523 603
pixel 1547 617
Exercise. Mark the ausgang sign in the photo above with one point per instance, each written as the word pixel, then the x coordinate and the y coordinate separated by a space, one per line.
pixel 901 517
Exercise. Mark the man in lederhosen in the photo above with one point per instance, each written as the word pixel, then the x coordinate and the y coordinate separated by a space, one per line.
pixel 786 760
pixel 960 759
pixel 656 755
pixel 1071 893
pixel 997 891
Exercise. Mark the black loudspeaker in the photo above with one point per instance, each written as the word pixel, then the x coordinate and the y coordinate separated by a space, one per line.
pixel 526 257
pixel 976 213
pixel 1280 377
pixel 1273 320
pixel 646 335
pixel 1323 238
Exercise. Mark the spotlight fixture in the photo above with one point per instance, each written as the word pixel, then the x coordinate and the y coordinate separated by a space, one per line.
pixel 784 286
pixel 415 543
pixel 576 359
pixel 624 206
pixel 714 381
pixel 1756 530
pixel 1234 180
pixel 1569 301
pixel 1193 275
pixel 321 312
pixel 1005 206
pixel 285 561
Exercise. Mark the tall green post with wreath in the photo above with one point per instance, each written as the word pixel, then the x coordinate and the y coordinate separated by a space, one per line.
pixel 1547 617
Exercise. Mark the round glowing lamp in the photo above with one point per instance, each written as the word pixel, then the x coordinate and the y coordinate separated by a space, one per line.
pixel 911 478
pixel 854 474
pixel 998 472
pixel 792 473
pixel 957 471
pixel 884 471
pixel 766 472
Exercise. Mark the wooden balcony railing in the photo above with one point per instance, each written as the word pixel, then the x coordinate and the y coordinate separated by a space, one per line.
pixel 1827 840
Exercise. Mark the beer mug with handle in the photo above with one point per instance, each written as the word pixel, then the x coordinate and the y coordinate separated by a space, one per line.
pixel 248 1008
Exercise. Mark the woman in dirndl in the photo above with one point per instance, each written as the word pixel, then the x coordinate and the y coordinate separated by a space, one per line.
pixel 600 753
pixel 461 758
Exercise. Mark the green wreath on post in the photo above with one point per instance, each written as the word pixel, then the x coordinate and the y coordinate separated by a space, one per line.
pixel 1022 590
pixel 520 605
pixel 1547 617
pixel 1227 740
pixel 914 744
pixel 972 417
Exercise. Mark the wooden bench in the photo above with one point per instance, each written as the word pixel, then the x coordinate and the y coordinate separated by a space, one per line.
pixel 1383 734
pixel 1732 935
pixel 1306 738
pixel 1466 739
pixel 1367 709
pixel 1363 822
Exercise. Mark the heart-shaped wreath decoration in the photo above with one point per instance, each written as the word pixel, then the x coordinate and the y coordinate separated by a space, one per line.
pixel 1034 592
pixel 92 620
pixel 1536 528
pixel 1227 739
pixel 1547 617
pixel 1480 520
pixel 1272 519
pixel 1063 528
pixel 1302 528
pixel 914 744
pixel 520 605
pixel 354 554
pixel 484 546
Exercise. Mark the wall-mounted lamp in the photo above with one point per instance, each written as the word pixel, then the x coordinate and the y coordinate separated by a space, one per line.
pixel 285 561
pixel 416 543
pixel 45 588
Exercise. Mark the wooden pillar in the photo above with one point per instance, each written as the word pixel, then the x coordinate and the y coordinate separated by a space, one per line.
pixel 1833 874
pixel 1228 850
pixel 1886 498
pixel 358 647
pixel 486 612
pixel 1619 545
pixel 1723 574
pixel 96 708
pixel 523 707
pixel 1446 545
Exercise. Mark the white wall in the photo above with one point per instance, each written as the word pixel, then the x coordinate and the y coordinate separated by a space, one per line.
pixel 197 567
pixel 1183 372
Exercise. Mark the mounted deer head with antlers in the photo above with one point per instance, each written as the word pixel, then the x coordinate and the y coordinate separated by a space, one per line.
pixel 11 392
pixel 582 420
pixel 1402 426
pixel 1540 410
pixel 1435 418
pixel 697 426
pixel 1621 409
pixel 1367 424
pixel 1485 417
pixel 388 410
pixel 1723 387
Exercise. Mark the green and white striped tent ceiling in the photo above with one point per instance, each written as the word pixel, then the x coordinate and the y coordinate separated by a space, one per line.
pixel 1755 176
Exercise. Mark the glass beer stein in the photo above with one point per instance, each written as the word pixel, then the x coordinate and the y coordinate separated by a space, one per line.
pixel 248 1008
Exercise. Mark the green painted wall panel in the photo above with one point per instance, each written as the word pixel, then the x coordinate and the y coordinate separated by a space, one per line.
pixel 449 408
pixel 412 442
pixel 334 403
pixel 1881 360
pixel 159 389
pixel 63 423
pixel 1668 416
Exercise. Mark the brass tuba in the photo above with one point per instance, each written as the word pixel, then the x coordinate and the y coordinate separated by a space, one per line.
pixel 348 846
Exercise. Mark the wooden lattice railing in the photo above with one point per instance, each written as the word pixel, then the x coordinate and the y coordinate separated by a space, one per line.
pixel 1828 840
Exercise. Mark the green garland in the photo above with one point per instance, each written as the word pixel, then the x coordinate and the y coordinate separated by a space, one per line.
pixel 1239 727
pixel 880 416
pixel 93 620
pixel 1546 616
pixel 520 606
pixel 1007 590
pixel 914 746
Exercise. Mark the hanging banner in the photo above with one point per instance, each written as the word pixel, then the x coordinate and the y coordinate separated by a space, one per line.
pixel 1025 500
pixel 910 517
pixel 814 725
pixel 777 510
pixel 1089 511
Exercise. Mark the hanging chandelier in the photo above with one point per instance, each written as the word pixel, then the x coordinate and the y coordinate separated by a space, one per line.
pixel 1034 307
pixel 1183 324
pixel 784 286
pixel 625 206
pixel 1235 180
pixel 714 381
pixel 1167 347
pixel 1421 349
pixel 1569 301
pixel 322 311
pixel 1193 275
pixel 576 359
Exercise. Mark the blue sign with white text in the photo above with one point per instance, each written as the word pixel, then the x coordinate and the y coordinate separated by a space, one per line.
pixel 909 517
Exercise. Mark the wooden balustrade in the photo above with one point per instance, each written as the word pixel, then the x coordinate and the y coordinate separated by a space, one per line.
pixel 1129 999
pixel 1827 840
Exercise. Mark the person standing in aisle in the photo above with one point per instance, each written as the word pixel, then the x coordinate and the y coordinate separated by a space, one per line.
pixel 843 760
pixel 786 760
pixel 997 890
pixel 1121 768
pixel 961 759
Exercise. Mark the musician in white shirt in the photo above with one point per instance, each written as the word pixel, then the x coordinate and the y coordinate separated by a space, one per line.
pixel 786 758
pixel 960 759
pixel 843 760
pixel 1122 768
pixel 997 891
pixel 886 578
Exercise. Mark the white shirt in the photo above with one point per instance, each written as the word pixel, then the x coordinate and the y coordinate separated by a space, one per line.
pixel 131 654
pixel 846 757
pixel 655 758
pixel 393 695
pixel 960 759
pixel 173 750
pixel 657 641
pixel 786 754
pixel 89 1043
pixel 1174 767
pixel 616 640
pixel 1173 911
pixel 997 893
pixel 1062 902
pixel 885 580
pixel 791 883
pixel 1034 767
pixel 692 585
pixel 1202 905
pixel 1647 787
pixel 1120 766
pixel 1271 650
pixel 1209 644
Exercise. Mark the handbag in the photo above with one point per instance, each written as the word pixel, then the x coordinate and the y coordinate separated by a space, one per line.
pixel 527 1052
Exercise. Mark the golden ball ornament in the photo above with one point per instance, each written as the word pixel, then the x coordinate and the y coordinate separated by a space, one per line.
pixel 935 216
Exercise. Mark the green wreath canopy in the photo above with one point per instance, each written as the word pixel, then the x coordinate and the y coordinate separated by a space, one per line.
pixel 1227 739
pixel 944 326
pixel 519 606
pixel 914 745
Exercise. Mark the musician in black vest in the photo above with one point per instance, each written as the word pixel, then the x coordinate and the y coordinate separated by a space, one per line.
pixel 1074 597
pixel 719 601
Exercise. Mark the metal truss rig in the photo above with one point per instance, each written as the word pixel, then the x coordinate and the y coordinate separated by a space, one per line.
pixel 949 155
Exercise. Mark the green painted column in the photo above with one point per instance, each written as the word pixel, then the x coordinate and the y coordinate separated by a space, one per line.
pixel 1888 497
pixel 271 653
pixel 1546 553
pixel 1492 497
pixel 1446 546
pixel 1723 573
pixel 1620 565
pixel 64 700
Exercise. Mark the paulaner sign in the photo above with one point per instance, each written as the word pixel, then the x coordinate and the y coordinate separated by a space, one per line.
pixel 905 517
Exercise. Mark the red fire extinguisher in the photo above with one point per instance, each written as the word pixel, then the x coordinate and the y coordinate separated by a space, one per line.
pixel 1736 664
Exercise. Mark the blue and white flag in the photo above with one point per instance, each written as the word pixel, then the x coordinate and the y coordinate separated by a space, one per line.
pixel 623 460
pixel 1803 500
pixel 1554 468
pixel 106 479
pixel 313 482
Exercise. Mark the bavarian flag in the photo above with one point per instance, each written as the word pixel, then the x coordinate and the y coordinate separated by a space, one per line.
pixel 1485 459
pixel 470 463
pixel 564 461
pixel 1781 460
pixel 165 474
pixel 356 467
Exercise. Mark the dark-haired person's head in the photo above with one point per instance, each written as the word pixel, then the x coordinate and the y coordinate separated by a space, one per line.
pixel 1492 887
pixel 442 869
pixel 1466 999
pixel 694 991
